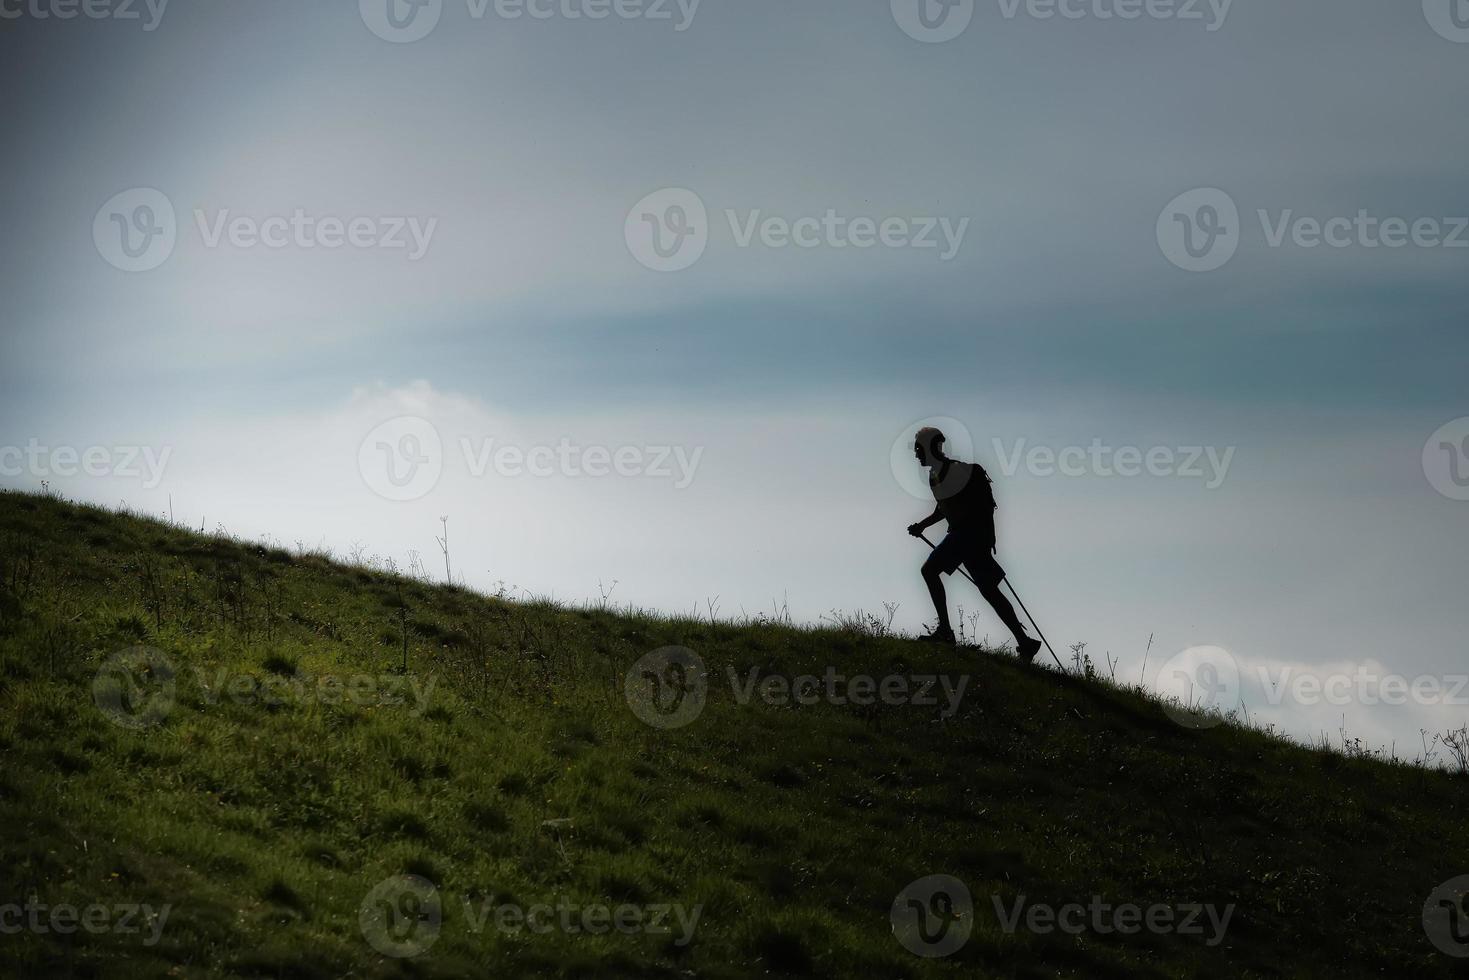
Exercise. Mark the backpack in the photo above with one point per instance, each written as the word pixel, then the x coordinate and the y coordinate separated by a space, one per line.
pixel 972 484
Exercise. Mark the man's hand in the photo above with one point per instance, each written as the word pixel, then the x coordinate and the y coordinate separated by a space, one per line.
pixel 917 529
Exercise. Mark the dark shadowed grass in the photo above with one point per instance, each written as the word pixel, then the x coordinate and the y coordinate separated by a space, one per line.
pixel 268 802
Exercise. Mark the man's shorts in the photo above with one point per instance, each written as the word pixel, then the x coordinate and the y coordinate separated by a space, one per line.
pixel 970 550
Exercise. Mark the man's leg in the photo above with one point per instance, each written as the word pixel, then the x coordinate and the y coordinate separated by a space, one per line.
pixel 1000 603
pixel 933 575
pixel 987 575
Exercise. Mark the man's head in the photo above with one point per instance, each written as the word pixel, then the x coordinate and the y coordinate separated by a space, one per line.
pixel 928 446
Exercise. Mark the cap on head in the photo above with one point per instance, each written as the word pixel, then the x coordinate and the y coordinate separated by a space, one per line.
pixel 931 439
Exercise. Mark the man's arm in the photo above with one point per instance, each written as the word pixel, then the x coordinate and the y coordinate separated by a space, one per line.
pixel 917 529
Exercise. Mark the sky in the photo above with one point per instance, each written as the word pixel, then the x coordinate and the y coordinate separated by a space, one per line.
pixel 655 294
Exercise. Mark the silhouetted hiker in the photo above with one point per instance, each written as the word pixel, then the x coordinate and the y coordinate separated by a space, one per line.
pixel 964 498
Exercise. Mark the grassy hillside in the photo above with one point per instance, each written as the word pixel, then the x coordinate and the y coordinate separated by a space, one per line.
pixel 297 767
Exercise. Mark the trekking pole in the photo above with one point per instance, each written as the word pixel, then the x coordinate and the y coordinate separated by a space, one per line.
pixel 1005 579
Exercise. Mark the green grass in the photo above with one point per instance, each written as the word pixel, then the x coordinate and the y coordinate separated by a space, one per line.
pixel 524 777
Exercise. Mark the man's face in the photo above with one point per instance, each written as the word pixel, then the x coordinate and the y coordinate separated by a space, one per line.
pixel 920 453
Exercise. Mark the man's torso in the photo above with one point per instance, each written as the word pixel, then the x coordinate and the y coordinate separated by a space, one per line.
pixel 962 492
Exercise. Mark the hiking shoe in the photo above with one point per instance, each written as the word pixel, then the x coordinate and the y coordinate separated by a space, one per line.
pixel 1027 648
pixel 939 636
